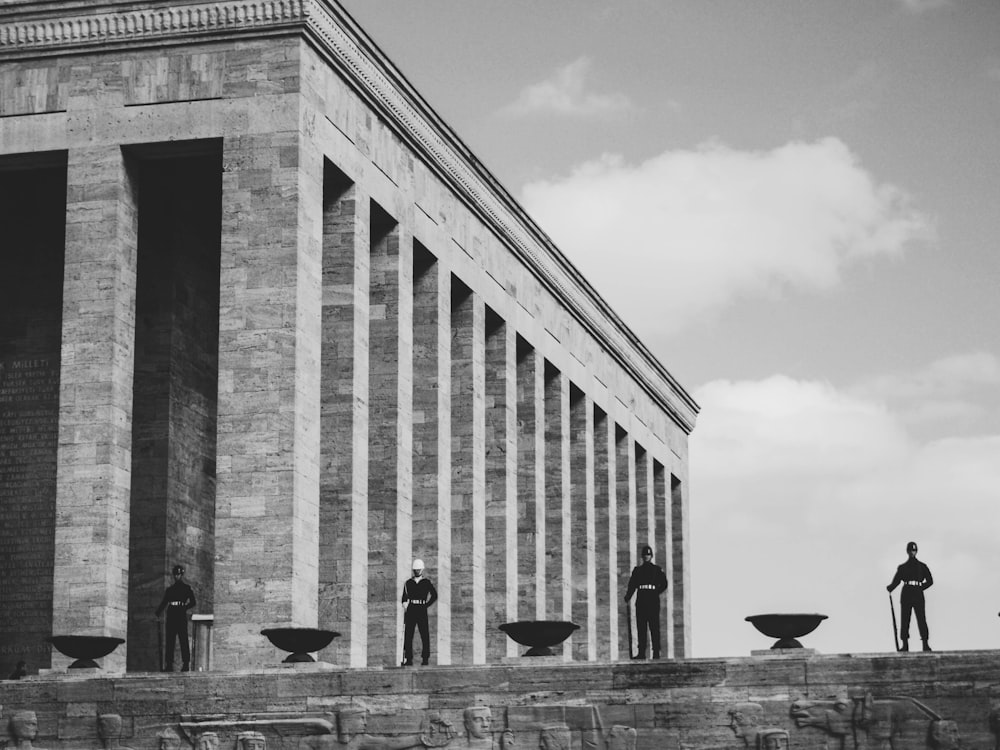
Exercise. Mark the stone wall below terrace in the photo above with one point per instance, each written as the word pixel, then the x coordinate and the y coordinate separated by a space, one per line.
pixel 940 700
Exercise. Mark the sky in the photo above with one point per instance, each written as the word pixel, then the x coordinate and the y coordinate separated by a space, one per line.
pixel 796 206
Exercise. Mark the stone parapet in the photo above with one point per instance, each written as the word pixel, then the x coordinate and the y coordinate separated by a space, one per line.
pixel 940 700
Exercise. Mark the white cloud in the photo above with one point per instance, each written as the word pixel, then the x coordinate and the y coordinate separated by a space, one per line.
pixel 700 228
pixel 803 498
pixel 952 389
pixel 921 6
pixel 566 93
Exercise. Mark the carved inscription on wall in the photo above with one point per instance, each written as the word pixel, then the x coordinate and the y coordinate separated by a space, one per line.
pixel 29 415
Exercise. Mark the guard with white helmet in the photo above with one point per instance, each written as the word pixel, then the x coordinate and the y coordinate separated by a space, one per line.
pixel 418 594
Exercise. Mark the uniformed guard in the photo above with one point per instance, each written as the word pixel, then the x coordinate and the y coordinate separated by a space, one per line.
pixel 177 600
pixel 647 582
pixel 418 595
pixel 916 578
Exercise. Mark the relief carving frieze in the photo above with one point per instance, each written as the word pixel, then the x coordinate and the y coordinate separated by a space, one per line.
pixel 858 721
pixel 861 721
pixel 109 730
pixel 746 721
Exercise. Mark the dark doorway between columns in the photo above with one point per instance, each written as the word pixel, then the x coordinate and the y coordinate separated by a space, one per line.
pixel 176 383
pixel 32 245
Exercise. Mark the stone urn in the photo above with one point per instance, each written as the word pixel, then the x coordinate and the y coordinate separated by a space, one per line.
pixel 539 635
pixel 85 648
pixel 300 642
pixel 786 627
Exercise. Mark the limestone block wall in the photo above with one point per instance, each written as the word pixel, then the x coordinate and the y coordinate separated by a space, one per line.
pixel 942 700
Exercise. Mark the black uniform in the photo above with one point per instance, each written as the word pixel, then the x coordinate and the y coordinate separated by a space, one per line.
pixel 177 600
pixel 647 581
pixel 915 577
pixel 420 594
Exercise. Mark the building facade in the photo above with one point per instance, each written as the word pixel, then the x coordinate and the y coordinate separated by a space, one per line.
pixel 263 314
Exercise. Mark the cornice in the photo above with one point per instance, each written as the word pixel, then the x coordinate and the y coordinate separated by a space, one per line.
pixel 52 28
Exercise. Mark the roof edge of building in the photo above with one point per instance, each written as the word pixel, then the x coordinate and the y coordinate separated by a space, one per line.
pixel 53 27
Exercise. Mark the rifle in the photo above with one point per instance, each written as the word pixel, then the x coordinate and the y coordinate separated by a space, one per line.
pixel 895 629
pixel 159 641
pixel 628 624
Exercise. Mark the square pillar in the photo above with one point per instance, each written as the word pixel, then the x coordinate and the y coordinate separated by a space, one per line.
pixel 625 510
pixel 530 483
pixel 605 537
pixel 501 485
pixel 557 496
pixel 582 529
pixel 90 593
pixel 431 528
pixel 343 544
pixel 681 582
pixel 390 434
pixel 267 507
pixel 468 471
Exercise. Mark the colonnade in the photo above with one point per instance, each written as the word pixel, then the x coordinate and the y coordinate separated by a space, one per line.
pixel 372 408
pixel 471 448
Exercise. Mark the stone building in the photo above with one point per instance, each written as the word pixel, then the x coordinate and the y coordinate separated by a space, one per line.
pixel 264 314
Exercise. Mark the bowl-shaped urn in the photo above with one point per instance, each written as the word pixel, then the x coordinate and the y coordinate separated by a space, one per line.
pixel 786 627
pixel 85 648
pixel 299 642
pixel 539 635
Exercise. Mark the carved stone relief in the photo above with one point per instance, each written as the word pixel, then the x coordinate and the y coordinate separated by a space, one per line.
pixel 746 720
pixel 863 722
pixel 857 721
pixel 23 729
pixel 109 730
pixel 994 722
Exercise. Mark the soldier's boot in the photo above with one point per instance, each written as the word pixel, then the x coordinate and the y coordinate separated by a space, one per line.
pixel 905 646
pixel 927 646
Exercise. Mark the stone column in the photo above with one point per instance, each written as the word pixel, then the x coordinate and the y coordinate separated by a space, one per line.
pixel 661 554
pixel 390 441
pixel 343 547
pixel 90 592
pixel 267 509
pixel 501 484
pixel 530 483
pixel 681 582
pixel 582 525
pixel 432 436
pixel 468 483
pixel 559 574
pixel 605 538
pixel 626 537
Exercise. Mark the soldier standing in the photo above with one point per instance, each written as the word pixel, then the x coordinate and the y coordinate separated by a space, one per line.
pixel 177 600
pixel 647 582
pixel 915 577
pixel 418 595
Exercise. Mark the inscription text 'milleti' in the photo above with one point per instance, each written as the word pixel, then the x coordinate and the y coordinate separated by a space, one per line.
pixel 29 416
